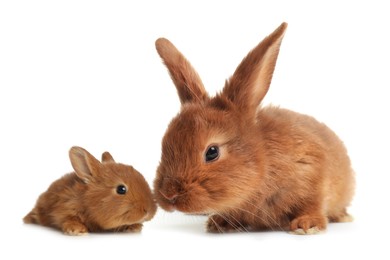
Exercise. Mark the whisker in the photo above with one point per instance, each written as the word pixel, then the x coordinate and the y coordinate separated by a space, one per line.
pixel 266 213
pixel 231 223
pixel 217 226
pixel 262 219
pixel 237 221
pixel 276 223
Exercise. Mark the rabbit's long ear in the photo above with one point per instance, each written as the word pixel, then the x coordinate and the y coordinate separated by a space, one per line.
pixel 187 81
pixel 85 165
pixel 252 78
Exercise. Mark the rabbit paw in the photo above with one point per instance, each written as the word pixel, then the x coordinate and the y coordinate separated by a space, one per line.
pixel 135 228
pixel 308 225
pixel 218 224
pixel 74 228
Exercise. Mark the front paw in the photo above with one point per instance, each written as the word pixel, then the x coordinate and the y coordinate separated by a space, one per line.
pixel 218 224
pixel 308 225
pixel 74 229
pixel 135 228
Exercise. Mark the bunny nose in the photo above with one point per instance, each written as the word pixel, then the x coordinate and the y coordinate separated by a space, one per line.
pixel 171 197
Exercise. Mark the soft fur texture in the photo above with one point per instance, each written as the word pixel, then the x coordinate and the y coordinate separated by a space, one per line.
pixel 277 169
pixel 87 201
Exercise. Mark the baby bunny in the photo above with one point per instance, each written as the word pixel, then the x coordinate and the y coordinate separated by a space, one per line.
pixel 249 167
pixel 97 197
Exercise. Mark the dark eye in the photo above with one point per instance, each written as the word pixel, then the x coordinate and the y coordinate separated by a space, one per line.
pixel 121 189
pixel 212 153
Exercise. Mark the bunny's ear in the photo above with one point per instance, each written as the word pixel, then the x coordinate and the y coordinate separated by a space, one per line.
pixel 107 157
pixel 252 78
pixel 187 81
pixel 85 165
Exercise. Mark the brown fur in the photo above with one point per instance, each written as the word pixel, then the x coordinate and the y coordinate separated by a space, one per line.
pixel 277 169
pixel 86 200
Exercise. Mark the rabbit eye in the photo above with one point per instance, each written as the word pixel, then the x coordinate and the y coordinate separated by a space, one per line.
pixel 121 189
pixel 212 153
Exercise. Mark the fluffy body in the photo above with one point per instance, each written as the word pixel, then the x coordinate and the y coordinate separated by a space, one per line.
pixel 277 169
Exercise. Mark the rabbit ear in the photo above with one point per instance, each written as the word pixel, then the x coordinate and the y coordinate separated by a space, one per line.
pixel 85 165
pixel 107 157
pixel 187 81
pixel 252 78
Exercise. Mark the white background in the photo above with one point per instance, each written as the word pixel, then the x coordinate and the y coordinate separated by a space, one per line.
pixel 86 73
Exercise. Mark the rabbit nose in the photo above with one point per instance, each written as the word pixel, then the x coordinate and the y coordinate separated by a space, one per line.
pixel 146 214
pixel 171 197
pixel 145 211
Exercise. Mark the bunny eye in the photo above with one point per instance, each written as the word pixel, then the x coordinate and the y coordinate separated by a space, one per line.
pixel 212 153
pixel 121 189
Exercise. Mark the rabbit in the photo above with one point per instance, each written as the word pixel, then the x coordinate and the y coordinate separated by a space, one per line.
pixel 245 166
pixel 96 197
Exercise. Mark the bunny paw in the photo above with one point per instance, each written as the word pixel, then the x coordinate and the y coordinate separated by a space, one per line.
pixel 218 224
pixel 310 231
pixel 308 225
pixel 135 228
pixel 74 229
